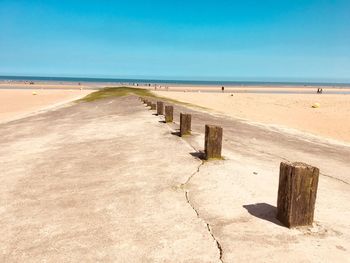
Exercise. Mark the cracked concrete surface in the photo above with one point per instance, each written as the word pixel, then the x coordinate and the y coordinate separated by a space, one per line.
pixel 97 182
pixel 237 196
pixel 106 181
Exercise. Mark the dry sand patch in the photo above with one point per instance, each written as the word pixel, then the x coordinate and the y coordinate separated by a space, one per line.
pixel 331 120
pixel 18 103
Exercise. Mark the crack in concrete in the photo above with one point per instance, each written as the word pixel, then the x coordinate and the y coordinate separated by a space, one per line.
pixel 334 178
pixel 183 186
pixel 218 245
pixel 190 177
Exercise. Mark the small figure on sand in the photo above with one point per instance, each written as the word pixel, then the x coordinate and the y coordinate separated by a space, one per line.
pixel 319 91
pixel 223 89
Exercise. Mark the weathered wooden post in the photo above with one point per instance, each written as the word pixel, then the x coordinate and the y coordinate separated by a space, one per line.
pixel 160 108
pixel 185 124
pixel 213 142
pixel 169 113
pixel 297 194
pixel 153 106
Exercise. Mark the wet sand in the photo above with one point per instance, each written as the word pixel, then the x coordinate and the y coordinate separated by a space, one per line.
pixel 331 120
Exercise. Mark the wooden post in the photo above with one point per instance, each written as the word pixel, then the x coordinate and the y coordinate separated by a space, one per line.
pixel 153 106
pixel 297 194
pixel 160 108
pixel 185 124
pixel 169 113
pixel 213 142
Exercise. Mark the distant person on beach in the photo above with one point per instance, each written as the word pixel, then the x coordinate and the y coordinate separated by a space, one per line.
pixel 319 91
pixel 223 89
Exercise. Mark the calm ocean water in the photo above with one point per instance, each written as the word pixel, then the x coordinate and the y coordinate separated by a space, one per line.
pixel 169 82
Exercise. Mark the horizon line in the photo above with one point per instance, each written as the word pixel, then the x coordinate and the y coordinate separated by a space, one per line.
pixel 137 79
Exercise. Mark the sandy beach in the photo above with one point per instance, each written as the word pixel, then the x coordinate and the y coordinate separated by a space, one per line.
pixel 182 207
pixel 291 111
pixel 331 120
pixel 69 85
pixel 172 132
pixel 17 103
pixel 252 88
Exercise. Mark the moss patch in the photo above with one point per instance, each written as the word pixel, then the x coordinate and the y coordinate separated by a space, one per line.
pixel 116 92
pixel 124 91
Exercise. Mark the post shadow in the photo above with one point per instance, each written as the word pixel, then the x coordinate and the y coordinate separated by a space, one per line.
pixel 264 211
pixel 176 133
pixel 200 155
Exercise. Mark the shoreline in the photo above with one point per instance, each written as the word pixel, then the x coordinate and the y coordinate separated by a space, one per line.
pixel 144 83
pixel 172 82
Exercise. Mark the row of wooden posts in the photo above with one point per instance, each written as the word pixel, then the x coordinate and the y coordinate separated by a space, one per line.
pixel 213 134
pixel 298 182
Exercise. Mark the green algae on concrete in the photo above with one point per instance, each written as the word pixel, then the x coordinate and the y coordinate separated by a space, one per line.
pixel 124 91
pixel 116 92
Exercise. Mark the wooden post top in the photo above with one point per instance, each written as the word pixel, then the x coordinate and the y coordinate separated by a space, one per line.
pixel 299 165
pixel 212 126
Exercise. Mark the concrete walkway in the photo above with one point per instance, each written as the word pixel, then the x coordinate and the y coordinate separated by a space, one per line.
pixel 98 182
pixel 107 181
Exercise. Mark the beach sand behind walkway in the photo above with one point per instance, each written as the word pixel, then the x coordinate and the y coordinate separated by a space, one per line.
pixel 15 103
pixel 331 120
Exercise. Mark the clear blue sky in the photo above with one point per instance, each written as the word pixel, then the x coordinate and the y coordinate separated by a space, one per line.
pixel 230 40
